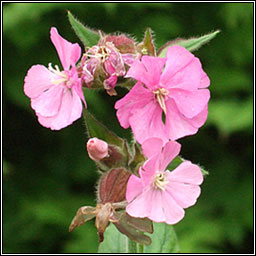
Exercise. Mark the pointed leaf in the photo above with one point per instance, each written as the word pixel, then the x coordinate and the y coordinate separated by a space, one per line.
pixel 146 47
pixel 98 130
pixel 88 36
pixel 191 44
pixel 164 240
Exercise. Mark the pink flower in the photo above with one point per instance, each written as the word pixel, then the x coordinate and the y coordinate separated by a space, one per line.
pixel 171 88
pixel 162 195
pixel 106 55
pixel 56 95
pixel 97 149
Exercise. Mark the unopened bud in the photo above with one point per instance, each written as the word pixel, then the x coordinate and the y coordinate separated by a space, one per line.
pixel 97 149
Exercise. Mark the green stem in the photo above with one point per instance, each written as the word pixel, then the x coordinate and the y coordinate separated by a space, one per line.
pixel 140 248
pixel 132 246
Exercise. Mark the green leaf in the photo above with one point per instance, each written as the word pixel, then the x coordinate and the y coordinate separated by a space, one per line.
pixel 98 130
pixel 88 36
pixel 164 240
pixel 116 242
pixel 191 44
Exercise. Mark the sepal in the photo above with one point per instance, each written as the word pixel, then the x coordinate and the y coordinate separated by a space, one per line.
pixel 147 47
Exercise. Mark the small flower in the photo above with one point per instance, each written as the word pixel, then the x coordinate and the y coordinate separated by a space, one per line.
pixel 159 194
pixel 97 149
pixel 169 100
pixel 103 57
pixel 56 95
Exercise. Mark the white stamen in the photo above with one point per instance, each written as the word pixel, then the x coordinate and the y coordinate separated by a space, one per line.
pixel 160 181
pixel 56 71
pixel 160 96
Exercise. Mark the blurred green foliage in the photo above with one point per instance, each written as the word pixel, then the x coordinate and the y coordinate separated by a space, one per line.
pixel 47 175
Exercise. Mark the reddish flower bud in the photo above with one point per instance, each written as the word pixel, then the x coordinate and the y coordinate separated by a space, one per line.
pixel 97 149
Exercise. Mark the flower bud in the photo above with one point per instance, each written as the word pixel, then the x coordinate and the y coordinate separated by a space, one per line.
pixel 97 149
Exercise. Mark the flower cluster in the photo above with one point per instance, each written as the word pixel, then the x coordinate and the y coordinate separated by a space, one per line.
pixel 168 100
pixel 57 96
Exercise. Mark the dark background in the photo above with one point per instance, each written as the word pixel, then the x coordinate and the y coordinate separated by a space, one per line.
pixel 47 175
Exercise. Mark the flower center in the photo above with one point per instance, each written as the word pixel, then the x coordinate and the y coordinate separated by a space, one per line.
pixel 160 181
pixel 100 52
pixel 160 97
pixel 62 76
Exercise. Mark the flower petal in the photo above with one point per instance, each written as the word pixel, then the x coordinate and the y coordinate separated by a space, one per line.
pixel 147 71
pixel 173 212
pixel 186 172
pixel 154 66
pixel 150 167
pixel 147 122
pixel 199 119
pixel 205 81
pixel 157 213
pixel 138 72
pixel 177 58
pixel 38 80
pixel 75 106
pixel 77 86
pixel 136 98
pixel 68 53
pixel 184 194
pixel 152 146
pixel 134 188
pixel 190 103
pixel 187 78
pixel 170 151
pixel 70 110
pixel 49 102
pixel 176 125
pixel 141 206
